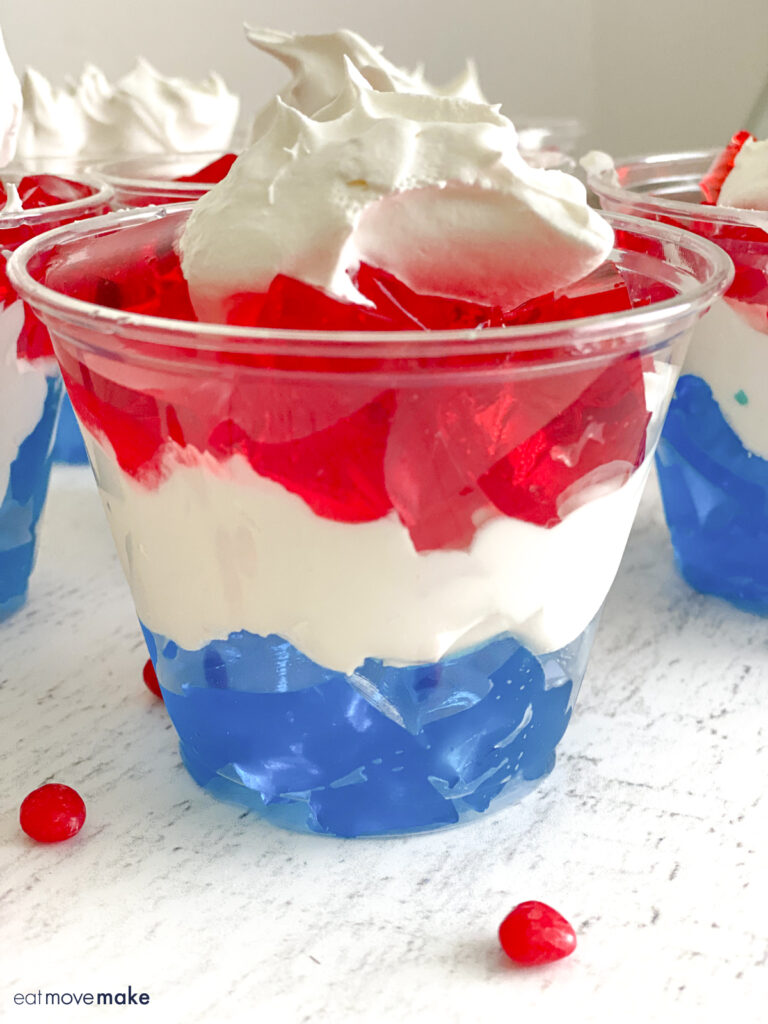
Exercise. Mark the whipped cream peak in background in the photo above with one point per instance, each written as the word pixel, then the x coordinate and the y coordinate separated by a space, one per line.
pixel 10 106
pixel 746 186
pixel 431 188
pixel 143 112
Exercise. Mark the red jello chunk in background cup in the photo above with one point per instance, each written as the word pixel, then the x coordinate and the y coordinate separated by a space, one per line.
pixel 38 192
pixel 212 173
pixel 445 459
pixel 712 183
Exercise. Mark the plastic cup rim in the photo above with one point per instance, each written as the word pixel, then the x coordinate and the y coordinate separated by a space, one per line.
pixel 581 331
pixel 600 183
pixel 102 194
pixel 101 171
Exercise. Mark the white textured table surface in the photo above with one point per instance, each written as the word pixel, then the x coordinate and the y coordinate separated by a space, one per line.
pixel 651 834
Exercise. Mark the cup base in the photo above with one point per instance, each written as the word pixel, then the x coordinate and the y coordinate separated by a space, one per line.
pixel 12 604
pixel 385 751
pixel 294 817
pixel 715 494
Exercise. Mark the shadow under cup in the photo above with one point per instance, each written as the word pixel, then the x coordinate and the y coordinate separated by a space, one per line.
pixel 712 459
pixel 368 566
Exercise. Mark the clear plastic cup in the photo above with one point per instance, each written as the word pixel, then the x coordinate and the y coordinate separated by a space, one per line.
pixel 145 180
pixel 712 460
pixel 151 180
pixel 30 392
pixel 368 567
pixel 549 134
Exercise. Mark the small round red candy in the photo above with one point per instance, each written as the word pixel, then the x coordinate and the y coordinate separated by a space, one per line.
pixel 52 813
pixel 150 679
pixel 534 933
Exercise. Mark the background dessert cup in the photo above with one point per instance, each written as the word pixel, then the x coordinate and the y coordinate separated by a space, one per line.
pixel 368 566
pixel 549 135
pixel 143 180
pixel 713 456
pixel 30 392
pixel 151 180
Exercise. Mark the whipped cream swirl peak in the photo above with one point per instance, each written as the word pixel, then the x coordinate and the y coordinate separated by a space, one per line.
pixel 143 112
pixel 318 68
pixel 746 187
pixel 10 106
pixel 431 188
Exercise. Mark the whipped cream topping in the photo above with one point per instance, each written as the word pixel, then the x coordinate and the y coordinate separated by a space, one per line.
pixel 431 188
pixel 10 106
pixel 143 112
pixel 318 72
pixel 746 186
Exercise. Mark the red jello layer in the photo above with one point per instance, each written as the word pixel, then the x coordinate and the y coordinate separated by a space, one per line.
pixel 712 182
pixel 38 192
pixel 445 449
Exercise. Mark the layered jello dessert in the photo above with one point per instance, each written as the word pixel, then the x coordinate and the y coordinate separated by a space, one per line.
pixel 30 385
pixel 144 115
pixel 370 422
pixel 713 457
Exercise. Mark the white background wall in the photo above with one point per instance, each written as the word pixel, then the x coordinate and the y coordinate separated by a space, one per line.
pixel 644 74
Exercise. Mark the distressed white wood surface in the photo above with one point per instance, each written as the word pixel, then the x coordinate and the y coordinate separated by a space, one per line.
pixel 650 835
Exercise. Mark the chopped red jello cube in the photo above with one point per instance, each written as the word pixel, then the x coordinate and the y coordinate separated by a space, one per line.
pixel 408 310
pixel 293 305
pixel 602 291
pixel 712 182
pixel 603 429
pixel 212 173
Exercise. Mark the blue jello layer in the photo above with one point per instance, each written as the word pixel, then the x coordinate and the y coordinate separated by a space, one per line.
pixel 23 502
pixel 715 495
pixel 69 445
pixel 384 751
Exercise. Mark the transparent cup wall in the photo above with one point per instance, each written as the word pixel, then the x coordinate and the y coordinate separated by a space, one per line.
pixel 152 180
pixel 713 457
pixel 30 393
pixel 368 569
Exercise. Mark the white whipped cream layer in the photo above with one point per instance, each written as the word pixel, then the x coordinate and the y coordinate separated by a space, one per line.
pixel 23 388
pixel 216 548
pixel 746 186
pixel 431 188
pixel 729 350
pixel 10 106
pixel 143 112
